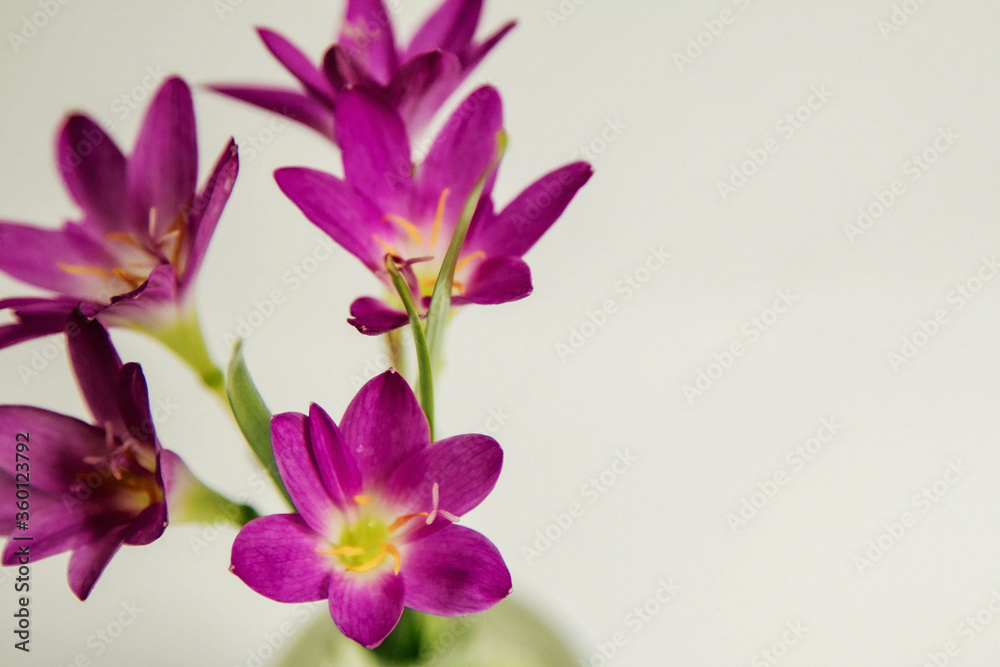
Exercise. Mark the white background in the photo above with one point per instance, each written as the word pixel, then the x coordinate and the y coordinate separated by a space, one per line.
pixel 681 130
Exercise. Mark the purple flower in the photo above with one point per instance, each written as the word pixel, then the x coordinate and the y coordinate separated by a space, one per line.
pixel 93 487
pixel 416 81
pixel 386 205
pixel 134 256
pixel 378 505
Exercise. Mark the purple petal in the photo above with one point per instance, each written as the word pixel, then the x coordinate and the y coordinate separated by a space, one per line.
pixel 465 468
pixel 344 71
pixel 298 64
pixel 276 556
pixel 474 55
pixel 289 103
pixel 148 526
pixel 163 169
pixel 94 171
pixel 89 560
pixel 372 317
pixel 335 207
pixel 334 463
pixel 62 442
pixel 54 529
pixel 525 219
pixel 293 452
pixel 154 304
pixel 497 280
pixel 36 317
pixel 375 149
pixel 453 572
pixel 366 608
pixel 96 365
pixel 422 85
pixel 68 261
pixel 450 28
pixel 382 426
pixel 208 207
pixel 462 151
pixel 367 35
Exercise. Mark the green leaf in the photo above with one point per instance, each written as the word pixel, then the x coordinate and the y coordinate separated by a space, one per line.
pixel 425 386
pixel 252 415
pixel 437 311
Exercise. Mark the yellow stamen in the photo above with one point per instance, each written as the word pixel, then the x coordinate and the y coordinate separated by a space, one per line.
pixel 468 259
pixel 372 564
pixel 127 239
pixel 439 217
pixel 407 226
pixel 84 270
pixel 343 551
pixel 385 246
pixel 132 279
pixel 397 559
pixel 362 500
pixel 401 521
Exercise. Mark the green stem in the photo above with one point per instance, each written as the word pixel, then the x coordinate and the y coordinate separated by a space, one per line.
pixel 394 344
pixel 193 502
pixel 425 383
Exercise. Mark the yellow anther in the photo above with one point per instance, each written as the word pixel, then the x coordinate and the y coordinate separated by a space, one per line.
pixel 133 279
pixel 127 239
pixel 84 270
pixel 401 521
pixel 385 246
pixel 439 217
pixel 371 564
pixel 397 559
pixel 408 227
pixel 362 500
pixel 469 259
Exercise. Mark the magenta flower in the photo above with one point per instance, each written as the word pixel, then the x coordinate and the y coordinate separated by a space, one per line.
pixel 415 81
pixel 386 205
pixel 134 256
pixel 93 487
pixel 378 505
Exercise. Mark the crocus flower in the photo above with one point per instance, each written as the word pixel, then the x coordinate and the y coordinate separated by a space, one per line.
pixel 377 510
pixel 386 205
pixel 133 257
pixel 93 487
pixel 416 80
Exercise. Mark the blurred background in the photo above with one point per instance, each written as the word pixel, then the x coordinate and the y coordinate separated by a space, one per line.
pixel 750 411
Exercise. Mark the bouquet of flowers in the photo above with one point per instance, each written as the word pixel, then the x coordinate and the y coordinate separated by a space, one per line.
pixel 375 496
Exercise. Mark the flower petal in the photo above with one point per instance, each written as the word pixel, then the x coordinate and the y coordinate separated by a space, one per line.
pixel 450 28
pixel 465 468
pixel 422 85
pixel 367 35
pixel 35 317
pixel 382 426
pixel 276 556
pixel 497 280
pixel 289 103
pixel 474 55
pixel 94 171
pixel 339 210
pixel 453 572
pixel 89 560
pixel 154 304
pixel 96 365
pixel 375 149
pixel 334 463
pixel 366 608
pixel 208 207
pixel 525 219
pixel 462 151
pixel 54 529
pixel 68 261
pixel 298 64
pixel 293 452
pixel 163 169
pixel 372 317
pixel 63 441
